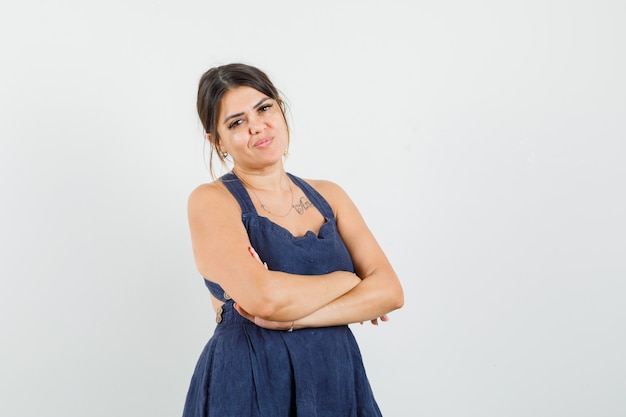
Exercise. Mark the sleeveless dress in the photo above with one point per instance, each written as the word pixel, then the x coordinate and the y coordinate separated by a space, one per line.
pixel 248 371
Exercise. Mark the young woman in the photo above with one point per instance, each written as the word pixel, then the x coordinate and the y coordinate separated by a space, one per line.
pixel 289 264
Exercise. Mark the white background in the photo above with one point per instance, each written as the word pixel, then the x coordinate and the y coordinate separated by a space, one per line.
pixel 483 142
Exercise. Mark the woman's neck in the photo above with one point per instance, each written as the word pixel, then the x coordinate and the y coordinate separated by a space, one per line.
pixel 264 180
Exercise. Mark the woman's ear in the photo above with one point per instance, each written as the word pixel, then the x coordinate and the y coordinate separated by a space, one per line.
pixel 217 145
pixel 212 141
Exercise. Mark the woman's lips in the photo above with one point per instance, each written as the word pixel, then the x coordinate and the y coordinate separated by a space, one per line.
pixel 263 143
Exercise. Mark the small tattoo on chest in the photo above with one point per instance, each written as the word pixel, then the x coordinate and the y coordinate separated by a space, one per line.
pixel 303 205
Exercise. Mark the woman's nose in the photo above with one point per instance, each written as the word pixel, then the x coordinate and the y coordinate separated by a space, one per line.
pixel 256 125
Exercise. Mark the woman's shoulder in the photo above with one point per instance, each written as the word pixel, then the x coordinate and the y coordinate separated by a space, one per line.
pixel 324 186
pixel 213 194
pixel 206 190
pixel 330 190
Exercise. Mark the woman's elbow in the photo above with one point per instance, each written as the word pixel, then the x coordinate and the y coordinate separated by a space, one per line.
pixel 399 301
pixel 266 303
pixel 396 297
pixel 264 307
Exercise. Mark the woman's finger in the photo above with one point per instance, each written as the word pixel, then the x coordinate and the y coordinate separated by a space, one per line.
pixel 256 256
pixel 243 312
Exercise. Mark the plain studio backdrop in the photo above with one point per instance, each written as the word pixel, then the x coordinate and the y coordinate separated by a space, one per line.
pixel 483 142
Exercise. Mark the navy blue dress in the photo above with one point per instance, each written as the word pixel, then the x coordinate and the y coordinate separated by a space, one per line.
pixel 247 371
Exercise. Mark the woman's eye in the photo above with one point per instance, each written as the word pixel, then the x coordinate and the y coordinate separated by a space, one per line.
pixel 265 107
pixel 235 123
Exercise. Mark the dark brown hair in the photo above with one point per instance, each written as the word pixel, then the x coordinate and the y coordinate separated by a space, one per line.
pixel 218 81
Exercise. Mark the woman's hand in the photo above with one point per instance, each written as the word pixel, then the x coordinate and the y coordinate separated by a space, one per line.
pixel 384 317
pixel 256 256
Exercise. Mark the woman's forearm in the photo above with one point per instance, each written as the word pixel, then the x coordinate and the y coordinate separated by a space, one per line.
pixel 284 296
pixel 373 297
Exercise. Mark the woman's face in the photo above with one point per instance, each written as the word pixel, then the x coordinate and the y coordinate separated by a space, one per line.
pixel 252 128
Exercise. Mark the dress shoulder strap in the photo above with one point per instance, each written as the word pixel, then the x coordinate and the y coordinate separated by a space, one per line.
pixel 236 188
pixel 315 197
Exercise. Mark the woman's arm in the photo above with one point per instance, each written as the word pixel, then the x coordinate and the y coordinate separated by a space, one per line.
pixel 379 291
pixel 220 245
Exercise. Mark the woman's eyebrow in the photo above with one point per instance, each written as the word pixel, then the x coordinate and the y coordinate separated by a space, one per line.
pixel 232 116
pixel 263 100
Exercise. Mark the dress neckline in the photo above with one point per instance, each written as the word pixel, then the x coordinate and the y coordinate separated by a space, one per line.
pixel 235 185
